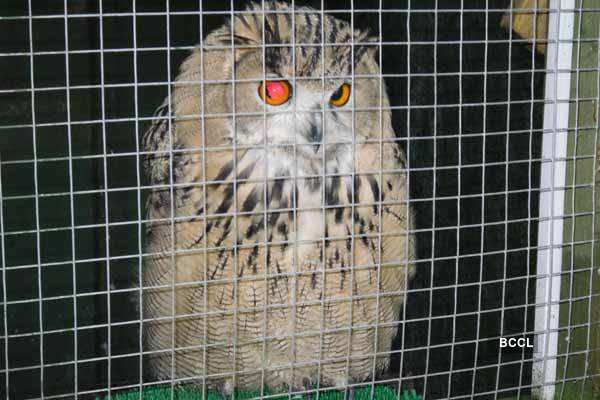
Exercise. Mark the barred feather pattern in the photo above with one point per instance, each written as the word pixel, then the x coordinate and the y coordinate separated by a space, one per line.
pixel 259 272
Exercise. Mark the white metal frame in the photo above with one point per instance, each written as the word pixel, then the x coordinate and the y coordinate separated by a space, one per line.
pixel 552 195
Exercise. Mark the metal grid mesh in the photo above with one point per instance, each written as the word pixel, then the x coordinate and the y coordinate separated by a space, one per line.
pixel 470 106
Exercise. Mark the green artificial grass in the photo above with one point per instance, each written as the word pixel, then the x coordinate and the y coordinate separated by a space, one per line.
pixel 187 393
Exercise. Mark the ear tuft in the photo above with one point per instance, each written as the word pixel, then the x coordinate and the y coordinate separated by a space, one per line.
pixel 246 31
pixel 272 17
pixel 367 45
pixel 248 28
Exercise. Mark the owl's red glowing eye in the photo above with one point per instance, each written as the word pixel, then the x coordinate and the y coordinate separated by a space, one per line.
pixel 275 93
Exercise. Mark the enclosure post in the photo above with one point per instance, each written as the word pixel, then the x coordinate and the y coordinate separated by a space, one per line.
pixel 552 196
pixel 3 300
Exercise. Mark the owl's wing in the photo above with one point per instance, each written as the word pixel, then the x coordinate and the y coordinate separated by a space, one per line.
pixel 156 143
pixel 374 220
pixel 383 201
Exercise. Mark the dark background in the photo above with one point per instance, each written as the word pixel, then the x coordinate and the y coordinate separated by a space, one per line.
pixel 486 161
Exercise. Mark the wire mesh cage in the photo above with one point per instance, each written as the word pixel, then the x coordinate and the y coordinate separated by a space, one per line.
pixel 301 199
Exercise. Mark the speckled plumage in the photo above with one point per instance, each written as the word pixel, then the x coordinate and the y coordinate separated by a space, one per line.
pixel 268 252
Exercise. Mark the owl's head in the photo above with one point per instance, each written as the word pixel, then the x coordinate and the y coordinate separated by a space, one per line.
pixel 303 80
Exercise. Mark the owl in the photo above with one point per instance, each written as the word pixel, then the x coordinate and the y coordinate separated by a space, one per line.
pixel 278 237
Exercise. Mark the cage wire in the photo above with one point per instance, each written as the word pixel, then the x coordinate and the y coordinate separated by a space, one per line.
pixel 494 103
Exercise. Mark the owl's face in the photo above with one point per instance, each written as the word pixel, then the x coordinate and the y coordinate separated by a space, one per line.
pixel 310 115
pixel 306 99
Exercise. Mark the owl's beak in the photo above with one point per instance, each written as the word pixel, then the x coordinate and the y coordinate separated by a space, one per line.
pixel 315 135
pixel 310 117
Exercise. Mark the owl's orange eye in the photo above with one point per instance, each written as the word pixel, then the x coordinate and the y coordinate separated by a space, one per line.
pixel 340 96
pixel 275 93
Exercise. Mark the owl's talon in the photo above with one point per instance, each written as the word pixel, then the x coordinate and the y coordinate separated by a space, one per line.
pixel 299 393
pixel 225 389
pixel 349 394
pixel 308 385
pixel 303 390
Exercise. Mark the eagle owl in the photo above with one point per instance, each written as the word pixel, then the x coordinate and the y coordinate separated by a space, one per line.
pixel 278 246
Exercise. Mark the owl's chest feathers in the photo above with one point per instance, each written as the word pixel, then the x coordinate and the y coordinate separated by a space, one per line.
pixel 301 186
pixel 295 188
pixel 316 181
pixel 302 163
